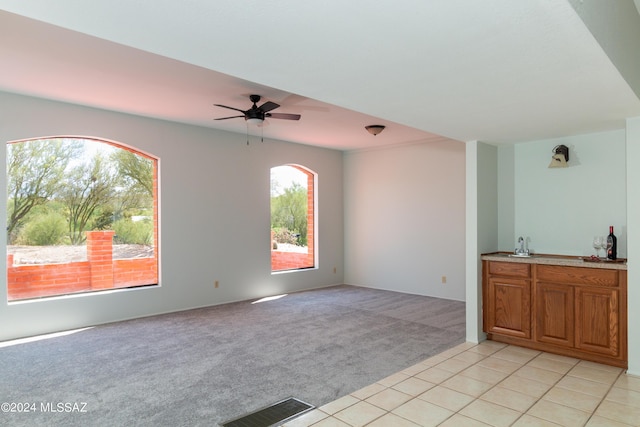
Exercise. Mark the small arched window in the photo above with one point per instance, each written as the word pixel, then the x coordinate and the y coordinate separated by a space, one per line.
pixel 293 222
pixel 82 216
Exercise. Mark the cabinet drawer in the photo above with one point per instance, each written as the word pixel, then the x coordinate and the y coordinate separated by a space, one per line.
pixel 577 275
pixel 510 269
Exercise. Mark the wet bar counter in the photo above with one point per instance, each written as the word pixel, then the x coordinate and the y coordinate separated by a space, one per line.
pixel 558 304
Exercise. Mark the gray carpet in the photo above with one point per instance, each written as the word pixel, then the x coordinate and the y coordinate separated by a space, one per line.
pixel 206 366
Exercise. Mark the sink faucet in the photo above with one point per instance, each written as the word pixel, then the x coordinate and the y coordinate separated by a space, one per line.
pixel 521 250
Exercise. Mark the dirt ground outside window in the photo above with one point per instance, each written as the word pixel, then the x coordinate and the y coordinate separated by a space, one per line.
pixel 28 255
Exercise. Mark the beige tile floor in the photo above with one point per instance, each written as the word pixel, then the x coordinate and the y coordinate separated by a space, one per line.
pixel 489 384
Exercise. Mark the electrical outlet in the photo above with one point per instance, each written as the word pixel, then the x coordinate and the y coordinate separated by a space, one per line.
pixel 444 279
pixel 216 284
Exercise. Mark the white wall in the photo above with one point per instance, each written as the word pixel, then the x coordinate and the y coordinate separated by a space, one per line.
pixel 506 197
pixel 405 218
pixel 633 265
pixel 214 216
pixel 482 227
pixel 560 210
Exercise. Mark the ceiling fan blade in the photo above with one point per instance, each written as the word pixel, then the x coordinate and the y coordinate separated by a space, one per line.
pixel 268 106
pixel 232 117
pixel 231 108
pixel 284 116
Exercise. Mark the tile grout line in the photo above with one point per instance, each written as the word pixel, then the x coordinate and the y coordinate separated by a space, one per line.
pixel 512 374
pixel 450 356
pixel 555 384
pixel 604 398
pixel 495 385
pixel 440 384
pixel 546 392
pixel 409 376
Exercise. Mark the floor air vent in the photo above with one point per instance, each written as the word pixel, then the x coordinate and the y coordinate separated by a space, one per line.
pixel 271 415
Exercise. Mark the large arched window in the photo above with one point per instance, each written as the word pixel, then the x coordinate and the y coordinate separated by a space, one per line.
pixel 82 216
pixel 293 218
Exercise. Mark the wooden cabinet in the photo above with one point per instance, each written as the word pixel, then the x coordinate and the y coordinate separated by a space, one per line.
pixel 574 311
pixel 597 320
pixel 593 295
pixel 555 322
pixel 509 300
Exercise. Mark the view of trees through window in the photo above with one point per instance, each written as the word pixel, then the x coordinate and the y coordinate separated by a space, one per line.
pixel 60 189
pixel 291 218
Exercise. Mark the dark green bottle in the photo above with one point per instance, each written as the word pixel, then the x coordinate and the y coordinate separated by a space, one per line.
pixel 612 250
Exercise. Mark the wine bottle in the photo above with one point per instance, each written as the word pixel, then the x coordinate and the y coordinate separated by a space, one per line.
pixel 612 251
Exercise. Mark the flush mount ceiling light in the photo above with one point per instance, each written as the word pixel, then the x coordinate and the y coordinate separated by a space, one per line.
pixel 374 129
pixel 560 157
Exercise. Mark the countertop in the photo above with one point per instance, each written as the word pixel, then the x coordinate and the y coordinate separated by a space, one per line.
pixel 566 260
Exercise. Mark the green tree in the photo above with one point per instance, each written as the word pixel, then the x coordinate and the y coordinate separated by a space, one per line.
pixel 135 170
pixel 85 189
pixel 289 211
pixel 34 171
pixel 136 184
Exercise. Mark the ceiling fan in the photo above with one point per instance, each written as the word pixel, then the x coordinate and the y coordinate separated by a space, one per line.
pixel 257 114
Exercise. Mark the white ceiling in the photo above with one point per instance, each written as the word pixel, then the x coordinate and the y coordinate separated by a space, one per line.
pixel 497 71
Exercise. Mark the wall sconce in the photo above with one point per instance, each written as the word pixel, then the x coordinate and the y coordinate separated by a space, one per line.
pixel 560 157
pixel 374 129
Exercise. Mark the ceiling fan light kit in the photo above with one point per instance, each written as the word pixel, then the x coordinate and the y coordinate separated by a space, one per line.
pixel 374 129
pixel 255 120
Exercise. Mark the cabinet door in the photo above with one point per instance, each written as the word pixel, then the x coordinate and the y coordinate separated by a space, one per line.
pixel 509 311
pixel 597 320
pixel 554 314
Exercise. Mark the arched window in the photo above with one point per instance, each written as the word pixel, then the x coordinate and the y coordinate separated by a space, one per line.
pixel 82 216
pixel 293 218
